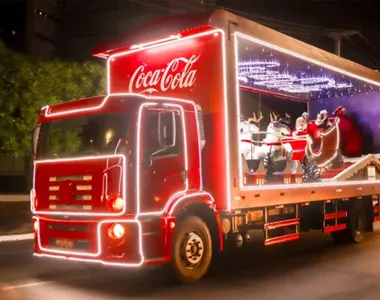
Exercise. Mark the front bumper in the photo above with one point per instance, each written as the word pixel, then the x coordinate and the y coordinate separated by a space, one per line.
pixel 88 240
pixel 146 241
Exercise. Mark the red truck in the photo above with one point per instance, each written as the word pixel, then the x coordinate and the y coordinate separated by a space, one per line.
pixel 213 127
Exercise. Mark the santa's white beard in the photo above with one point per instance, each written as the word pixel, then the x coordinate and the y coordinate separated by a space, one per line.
pixel 301 127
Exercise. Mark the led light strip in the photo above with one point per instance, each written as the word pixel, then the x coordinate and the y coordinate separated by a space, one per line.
pixel 68 213
pixel 156 42
pixel 169 204
pixel 105 178
pixel 99 242
pixel 237 95
pixel 226 123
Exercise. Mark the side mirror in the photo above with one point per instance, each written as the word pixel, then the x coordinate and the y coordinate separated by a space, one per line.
pixel 161 130
pixel 34 143
pixel 167 129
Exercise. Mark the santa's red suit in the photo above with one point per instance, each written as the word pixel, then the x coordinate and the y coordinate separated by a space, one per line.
pixel 310 129
pixel 351 140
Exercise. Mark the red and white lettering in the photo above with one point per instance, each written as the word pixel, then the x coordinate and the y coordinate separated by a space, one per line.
pixel 169 78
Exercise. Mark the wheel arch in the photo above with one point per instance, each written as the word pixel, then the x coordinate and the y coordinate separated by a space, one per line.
pixel 201 205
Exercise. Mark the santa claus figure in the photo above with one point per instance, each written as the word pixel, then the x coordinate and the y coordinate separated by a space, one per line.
pixel 323 120
pixel 305 116
pixel 301 127
pixel 351 140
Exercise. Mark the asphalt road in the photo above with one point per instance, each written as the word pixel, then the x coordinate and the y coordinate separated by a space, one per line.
pixel 312 268
pixel 15 217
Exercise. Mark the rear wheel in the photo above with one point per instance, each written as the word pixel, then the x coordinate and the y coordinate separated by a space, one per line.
pixel 191 250
pixel 356 224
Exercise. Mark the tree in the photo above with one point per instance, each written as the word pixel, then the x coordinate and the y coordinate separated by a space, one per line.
pixel 27 84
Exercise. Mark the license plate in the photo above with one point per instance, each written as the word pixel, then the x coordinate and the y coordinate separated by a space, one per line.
pixel 64 243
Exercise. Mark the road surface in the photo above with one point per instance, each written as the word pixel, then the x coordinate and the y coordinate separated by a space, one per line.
pixel 312 268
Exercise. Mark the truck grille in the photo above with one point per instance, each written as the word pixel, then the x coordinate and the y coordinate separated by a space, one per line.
pixel 79 186
pixel 75 237
pixel 81 190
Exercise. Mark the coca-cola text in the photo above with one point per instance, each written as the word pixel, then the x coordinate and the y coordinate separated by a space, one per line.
pixel 169 78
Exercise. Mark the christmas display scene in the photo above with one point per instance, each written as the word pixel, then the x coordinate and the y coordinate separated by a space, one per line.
pixel 303 123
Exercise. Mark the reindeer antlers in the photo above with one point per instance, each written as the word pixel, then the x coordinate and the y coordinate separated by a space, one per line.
pixel 273 117
pixel 254 118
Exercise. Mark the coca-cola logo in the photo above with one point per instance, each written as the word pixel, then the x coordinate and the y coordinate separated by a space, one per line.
pixel 179 73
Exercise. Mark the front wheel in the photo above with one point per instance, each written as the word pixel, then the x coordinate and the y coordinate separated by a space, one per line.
pixel 191 250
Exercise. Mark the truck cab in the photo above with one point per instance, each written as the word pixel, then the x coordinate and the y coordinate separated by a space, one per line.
pixel 103 165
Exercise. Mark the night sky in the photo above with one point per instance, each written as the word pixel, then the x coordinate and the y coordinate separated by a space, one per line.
pixel 307 20
pixel 310 21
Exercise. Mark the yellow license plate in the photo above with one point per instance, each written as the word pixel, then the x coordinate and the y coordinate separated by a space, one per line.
pixel 64 243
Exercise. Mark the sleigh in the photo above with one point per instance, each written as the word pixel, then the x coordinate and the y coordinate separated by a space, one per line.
pixel 320 145
pixel 325 147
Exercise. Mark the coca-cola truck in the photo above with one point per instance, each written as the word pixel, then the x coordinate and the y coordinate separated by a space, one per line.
pixel 213 127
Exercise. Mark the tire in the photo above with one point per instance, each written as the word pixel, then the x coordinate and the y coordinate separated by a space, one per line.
pixel 356 225
pixel 191 232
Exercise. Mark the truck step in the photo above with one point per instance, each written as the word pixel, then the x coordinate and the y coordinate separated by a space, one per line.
pixel 280 224
pixel 333 228
pixel 282 239
pixel 331 217
pixel 337 215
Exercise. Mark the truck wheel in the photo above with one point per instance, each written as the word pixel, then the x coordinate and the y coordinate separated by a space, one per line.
pixel 356 224
pixel 192 249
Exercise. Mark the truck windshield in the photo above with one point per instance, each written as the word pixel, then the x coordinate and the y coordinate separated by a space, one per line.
pixel 82 136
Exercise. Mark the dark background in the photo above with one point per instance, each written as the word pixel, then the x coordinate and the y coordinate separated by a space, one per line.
pixel 71 28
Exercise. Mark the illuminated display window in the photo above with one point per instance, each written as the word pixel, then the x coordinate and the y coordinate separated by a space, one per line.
pixel 312 116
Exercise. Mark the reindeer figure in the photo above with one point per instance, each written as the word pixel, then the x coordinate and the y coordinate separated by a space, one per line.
pixel 247 148
pixel 273 150
pixel 277 127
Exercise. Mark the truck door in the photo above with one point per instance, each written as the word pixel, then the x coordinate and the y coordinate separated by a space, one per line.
pixel 162 169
